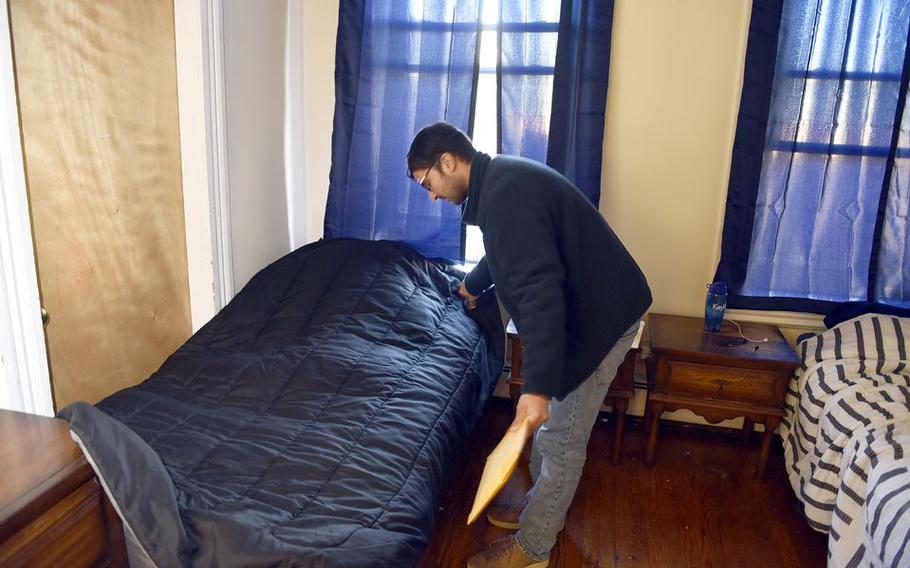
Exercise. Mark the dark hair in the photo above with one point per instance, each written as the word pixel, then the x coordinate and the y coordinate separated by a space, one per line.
pixel 436 139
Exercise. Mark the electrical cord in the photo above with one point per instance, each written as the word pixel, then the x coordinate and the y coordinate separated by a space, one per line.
pixel 765 340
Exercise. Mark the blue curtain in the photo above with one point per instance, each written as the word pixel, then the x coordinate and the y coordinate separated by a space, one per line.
pixel 555 59
pixel 749 144
pixel 817 216
pixel 575 144
pixel 401 65
pixel 890 263
pixel 397 69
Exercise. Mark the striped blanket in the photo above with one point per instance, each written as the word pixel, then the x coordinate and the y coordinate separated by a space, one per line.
pixel 846 438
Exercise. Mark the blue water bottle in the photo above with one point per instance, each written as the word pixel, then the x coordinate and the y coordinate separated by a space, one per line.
pixel 715 304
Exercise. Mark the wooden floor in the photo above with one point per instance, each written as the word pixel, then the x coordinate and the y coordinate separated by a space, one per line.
pixel 698 506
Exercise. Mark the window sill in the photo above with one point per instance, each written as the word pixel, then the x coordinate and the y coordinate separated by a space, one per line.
pixel 779 318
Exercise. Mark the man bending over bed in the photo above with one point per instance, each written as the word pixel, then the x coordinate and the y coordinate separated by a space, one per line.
pixel 576 296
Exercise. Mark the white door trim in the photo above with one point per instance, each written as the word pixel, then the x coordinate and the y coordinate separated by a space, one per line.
pixel 198 29
pixel 216 107
pixel 25 383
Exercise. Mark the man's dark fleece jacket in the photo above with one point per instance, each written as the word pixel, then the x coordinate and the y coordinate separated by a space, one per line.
pixel 566 280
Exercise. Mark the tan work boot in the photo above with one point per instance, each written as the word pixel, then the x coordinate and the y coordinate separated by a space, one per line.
pixel 505 553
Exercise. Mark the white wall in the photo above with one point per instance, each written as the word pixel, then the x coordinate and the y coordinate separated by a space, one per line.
pixel 254 71
pixel 278 64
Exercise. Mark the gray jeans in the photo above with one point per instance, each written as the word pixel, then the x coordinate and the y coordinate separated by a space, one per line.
pixel 559 452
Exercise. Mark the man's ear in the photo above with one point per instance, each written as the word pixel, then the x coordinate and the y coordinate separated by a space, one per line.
pixel 448 162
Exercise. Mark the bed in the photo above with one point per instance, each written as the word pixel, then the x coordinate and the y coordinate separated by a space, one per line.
pixel 846 439
pixel 312 422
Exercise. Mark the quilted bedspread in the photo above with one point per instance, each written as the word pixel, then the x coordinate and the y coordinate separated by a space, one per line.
pixel 312 422
pixel 847 439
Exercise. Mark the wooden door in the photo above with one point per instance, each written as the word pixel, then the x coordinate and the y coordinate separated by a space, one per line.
pixel 98 101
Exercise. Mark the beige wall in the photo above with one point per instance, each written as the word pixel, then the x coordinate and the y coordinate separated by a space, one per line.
pixel 675 80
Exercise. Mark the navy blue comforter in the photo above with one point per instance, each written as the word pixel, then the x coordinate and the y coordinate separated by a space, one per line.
pixel 312 422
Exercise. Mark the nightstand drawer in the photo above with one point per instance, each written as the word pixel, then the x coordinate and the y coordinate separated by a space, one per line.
pixel 721 383
pixel 71 533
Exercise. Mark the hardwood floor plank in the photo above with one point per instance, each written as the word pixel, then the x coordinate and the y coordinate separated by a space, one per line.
pixel 698 506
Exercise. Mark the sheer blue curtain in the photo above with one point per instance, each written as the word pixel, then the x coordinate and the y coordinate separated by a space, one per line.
pixel 822 220
pixel 399 66
pixel 529 32
pixel 555 60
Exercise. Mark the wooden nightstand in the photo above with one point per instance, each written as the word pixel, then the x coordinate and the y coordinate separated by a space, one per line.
pixel 53 511
pixel 717 375
pixel 618 397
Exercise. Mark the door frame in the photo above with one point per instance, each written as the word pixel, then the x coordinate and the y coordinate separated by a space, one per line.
pixel 199 41
pixel 23 352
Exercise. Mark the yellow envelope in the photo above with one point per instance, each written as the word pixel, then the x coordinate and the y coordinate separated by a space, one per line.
pixel 499 467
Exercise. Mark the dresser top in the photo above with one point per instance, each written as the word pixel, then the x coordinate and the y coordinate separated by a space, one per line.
pixel 40 463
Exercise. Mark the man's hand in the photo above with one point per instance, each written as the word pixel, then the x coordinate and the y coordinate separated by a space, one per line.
pixel 535 406
pixel 470 299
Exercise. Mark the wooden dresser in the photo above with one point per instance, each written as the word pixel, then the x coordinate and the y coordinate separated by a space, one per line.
pixel 53 511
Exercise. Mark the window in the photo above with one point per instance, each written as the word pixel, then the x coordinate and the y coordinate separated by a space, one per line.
pixel 531 31
pixel 830 203
pixel 402 65
pixel 485 127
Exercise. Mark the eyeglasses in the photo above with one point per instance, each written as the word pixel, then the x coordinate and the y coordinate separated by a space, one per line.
pixel 424 176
